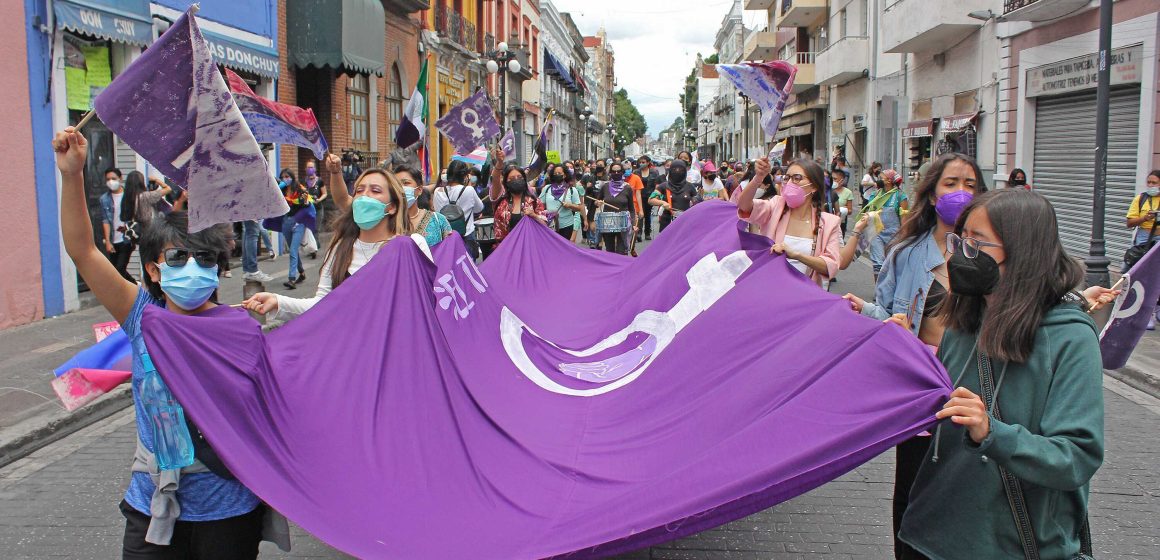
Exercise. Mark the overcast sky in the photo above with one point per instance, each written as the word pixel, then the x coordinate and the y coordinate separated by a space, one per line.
pixel 655 43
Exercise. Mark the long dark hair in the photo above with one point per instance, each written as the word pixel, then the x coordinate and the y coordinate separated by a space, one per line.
pixel 1037 273
pixel 922 217
pixel 817 176
pixel 134 186
pixel 507 170
pixel 340 253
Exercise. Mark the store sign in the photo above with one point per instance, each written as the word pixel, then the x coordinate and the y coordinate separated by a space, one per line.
pixel 239 57
pixel 917 129
pixel 1127 66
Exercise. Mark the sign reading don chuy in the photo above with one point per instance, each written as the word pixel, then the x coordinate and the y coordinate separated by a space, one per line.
pixel 242 57
pixel 1083 72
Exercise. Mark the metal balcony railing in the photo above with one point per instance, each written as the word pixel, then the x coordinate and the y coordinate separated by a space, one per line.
pixel 451 24
pixel 1012 5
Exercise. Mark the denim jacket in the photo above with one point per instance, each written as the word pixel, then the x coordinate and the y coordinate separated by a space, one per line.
pixel 107 208
pixel 907 272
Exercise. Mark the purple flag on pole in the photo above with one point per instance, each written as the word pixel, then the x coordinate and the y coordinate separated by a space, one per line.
pixel 481 414
pixel 508 145
pixel 470 123
pixel 171 105
pixel 768 84
pixel 1131 311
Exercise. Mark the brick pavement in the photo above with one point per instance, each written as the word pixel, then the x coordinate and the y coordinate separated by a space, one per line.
pixel 62 502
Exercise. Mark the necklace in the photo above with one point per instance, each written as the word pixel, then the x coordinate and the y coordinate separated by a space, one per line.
pixel 365 253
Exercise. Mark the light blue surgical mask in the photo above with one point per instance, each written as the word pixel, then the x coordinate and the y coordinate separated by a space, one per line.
pixel 189 286
pixel 1152 191
pixel 368 212
pixel 409 192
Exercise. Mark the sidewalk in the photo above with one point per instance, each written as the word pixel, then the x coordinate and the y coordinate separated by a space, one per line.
pixel 30 413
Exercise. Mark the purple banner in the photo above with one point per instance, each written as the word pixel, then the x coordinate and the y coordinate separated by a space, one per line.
pixel 470 123
pixel 481 414
pixel 1132 310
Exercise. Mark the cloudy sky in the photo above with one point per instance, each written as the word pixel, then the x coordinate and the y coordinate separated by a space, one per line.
pixel 656 43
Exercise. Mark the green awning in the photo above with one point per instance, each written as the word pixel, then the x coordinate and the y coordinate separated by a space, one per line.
pixel 346 35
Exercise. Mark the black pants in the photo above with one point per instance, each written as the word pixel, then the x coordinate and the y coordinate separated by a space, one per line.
pixel 664 221
pixel 908 457
pixel 120 258
pixel 566 233
pixel 616 242
pixel 234 538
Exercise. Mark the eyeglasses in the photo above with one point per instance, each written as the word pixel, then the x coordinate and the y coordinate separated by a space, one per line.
pixel 177 257
pixel 711 176
pixel 970 246
pixel 797 178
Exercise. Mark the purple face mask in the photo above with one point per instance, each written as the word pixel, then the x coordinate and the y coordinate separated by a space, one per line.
pixel 951 205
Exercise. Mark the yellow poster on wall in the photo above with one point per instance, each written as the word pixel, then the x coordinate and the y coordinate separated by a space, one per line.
pixel 76 87
pixel 97 65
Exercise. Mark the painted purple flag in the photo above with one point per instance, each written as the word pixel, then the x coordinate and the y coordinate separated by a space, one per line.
pixel 480 414
pixel 277 123
pixel 171 106
pixel 1131 311
pixel 768 84
pixel 470 123
pixel 508 145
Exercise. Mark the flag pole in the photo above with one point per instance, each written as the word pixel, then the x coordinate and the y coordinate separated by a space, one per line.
pixel 84 120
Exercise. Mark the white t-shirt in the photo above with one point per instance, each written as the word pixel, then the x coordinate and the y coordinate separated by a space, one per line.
pixel 803 245
pixel 115 233
pixel 465 197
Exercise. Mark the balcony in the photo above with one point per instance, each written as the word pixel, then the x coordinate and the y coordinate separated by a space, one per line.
pixel 802 13
pixel 761 45
pixel 843 61
pixel 919 26
pixel 806 77
pixel 452 25
pixel 1039 10
pixel 759 4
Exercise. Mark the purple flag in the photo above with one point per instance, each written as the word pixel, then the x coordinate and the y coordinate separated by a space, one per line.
pixel 508 145
pixel 1131 311
pixel 768 84
pixel 470 123
pixel 171 105
pixel 481 414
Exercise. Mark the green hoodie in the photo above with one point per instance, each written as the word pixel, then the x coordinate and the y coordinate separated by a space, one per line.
pixel 1051 439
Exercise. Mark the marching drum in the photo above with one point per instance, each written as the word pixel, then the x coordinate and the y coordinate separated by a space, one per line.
pixel 485 230
pixel 613 222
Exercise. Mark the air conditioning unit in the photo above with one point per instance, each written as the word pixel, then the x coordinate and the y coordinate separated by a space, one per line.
pixel 859 121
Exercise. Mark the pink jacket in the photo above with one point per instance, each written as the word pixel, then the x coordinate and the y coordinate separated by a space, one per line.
pixel 772 217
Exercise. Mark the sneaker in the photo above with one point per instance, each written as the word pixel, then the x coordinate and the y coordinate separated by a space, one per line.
pixel 288 285
pixel 228 274
pixel 258 276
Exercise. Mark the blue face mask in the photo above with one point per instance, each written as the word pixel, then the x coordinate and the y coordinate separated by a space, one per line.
pixel 368 212
pixel 189 286
pixel 409 192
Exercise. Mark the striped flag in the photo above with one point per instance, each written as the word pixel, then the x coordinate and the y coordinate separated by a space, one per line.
pixel 277 123
pixel 540 154
pixel 477 157
pixel 413 129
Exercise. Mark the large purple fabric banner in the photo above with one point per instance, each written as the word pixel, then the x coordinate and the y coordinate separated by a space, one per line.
pixel 556 401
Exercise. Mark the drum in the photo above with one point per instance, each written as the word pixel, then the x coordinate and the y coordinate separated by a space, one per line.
pixel 484 230
pixel 613 222
pixel 676 213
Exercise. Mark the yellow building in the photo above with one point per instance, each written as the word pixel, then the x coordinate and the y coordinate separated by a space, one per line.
pixel 452 41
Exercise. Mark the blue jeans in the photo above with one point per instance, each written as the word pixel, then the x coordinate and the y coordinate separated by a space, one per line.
pixel 293 232
pixel 250 246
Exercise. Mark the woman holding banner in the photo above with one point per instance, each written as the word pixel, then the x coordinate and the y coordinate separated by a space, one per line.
pixel 808 237
pixel 1008 475
pixel 512 197
pixel 375 215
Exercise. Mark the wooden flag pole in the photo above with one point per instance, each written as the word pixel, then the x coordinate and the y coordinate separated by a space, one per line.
pixel 84 120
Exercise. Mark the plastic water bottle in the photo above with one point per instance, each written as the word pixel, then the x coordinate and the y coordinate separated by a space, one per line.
pixel 172 444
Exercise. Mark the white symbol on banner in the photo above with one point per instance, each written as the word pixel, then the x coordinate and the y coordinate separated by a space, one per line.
pixel 1137 303
pixel 709 281
pixel 477 131
pixel 451 294
pixel 473 274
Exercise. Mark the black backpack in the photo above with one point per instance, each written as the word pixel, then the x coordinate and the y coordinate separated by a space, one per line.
pixel 454 213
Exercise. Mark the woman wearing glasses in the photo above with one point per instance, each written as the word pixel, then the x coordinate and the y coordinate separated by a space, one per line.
pixel 376 214
pixel 794 220
pixel 219 517
pixel 1024 357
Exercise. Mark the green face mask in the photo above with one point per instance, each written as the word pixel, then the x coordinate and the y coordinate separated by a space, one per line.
pixel 368 212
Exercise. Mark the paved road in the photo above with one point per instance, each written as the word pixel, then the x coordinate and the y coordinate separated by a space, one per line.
pixel 62 500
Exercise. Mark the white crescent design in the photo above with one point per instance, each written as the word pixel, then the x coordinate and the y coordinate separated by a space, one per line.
pixel 709 280
pixel 1137 303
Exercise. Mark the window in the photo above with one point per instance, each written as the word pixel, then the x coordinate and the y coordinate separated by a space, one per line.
pixel 358 104
pixel 842 23
pixel 394 102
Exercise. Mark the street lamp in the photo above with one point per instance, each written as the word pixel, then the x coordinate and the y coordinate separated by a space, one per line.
pixel 611 134
pixel 502 55
pixel 705 127
pixel 745 123
pixel 585 119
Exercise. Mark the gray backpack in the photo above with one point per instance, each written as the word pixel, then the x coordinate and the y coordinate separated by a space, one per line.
pixel 454 213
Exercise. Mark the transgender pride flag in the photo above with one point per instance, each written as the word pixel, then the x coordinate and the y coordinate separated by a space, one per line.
pixel 277 123
pixel 477 157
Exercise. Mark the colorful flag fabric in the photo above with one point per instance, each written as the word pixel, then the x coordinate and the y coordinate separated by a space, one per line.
pixel 488 418
pixel 477 157
pixel 768 84
pixel 171 106
pixel 277 123
pixel 540 150
pixel 413 128
pixel 508 145
pixel 95 370
pixel 470 123
pixel 1130 314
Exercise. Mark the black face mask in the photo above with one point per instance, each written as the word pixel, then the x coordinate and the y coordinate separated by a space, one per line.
pixel 617 175
pixel 557 179
pixel 516 186
pixel 972 277
pixel 678 175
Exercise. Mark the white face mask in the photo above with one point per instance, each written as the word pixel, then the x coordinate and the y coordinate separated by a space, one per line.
pixel 113 185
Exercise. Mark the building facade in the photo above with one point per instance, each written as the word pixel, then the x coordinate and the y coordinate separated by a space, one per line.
pixel 602 60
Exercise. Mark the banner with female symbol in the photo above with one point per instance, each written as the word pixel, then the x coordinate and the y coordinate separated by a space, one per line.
pixel 470 123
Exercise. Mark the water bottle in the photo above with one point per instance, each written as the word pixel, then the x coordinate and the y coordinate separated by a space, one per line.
pixel 172 444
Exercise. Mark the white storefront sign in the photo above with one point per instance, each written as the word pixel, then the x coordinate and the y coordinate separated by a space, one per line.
pixel 1127 65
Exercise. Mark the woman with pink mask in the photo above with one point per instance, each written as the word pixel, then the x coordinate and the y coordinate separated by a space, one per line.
pixel 794 220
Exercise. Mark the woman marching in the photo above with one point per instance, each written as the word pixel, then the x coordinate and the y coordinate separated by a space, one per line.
pixel 618 196
pixel 512 198
pixel 891 204
pixel 1008 476
pixel 675 195
pixel 433 226
pixel 294 224
pixel 808 237
pixel 364 225
pixel 561 201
